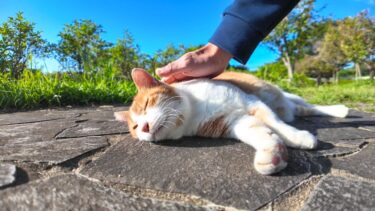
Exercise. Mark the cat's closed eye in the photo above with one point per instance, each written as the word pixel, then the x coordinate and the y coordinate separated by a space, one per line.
pixel 135 126
pixel 145 106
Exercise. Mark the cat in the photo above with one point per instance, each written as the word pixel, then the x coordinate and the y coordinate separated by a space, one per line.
pixel 231 105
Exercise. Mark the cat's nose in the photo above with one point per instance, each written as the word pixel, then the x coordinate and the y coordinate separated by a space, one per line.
pixel 146 128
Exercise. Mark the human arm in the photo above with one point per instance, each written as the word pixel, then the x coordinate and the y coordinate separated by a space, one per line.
pixel 244 25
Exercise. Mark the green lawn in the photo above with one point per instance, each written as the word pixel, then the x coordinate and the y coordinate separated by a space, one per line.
pixel 36 90
pixel 359 95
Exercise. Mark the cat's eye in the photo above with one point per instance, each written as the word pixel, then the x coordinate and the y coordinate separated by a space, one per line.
pixel 135 126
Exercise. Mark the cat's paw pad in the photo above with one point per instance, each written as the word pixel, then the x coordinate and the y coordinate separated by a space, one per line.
pixel 306 140
pixel 271 160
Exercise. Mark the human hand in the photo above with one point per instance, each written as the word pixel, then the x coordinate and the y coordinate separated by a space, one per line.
pixel 208 61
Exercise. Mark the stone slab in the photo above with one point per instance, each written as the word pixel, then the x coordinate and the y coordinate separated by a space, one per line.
pixel 220 171
pixel 71 192
pixel 101 113
pixel 338 193
pixel 369 128
pixel 53 151
pixel 334 139
pixel 32 132
pixel 361 163
pixel 7 174
pixel 332 132
pixel 344 133
pixel 95 128
pixel 35 116
pixel 333 152
pixel 354 118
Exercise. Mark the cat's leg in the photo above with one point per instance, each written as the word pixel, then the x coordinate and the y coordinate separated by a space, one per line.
pixel 293 137
pixel 271 154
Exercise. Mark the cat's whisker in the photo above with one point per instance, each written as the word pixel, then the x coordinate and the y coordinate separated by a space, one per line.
pixel 175 111
pixel 171 99
pixel 177 116
pixel 170 104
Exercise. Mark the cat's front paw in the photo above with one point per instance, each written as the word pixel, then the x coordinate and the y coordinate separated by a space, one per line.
pixel 271 160
pixel 306 140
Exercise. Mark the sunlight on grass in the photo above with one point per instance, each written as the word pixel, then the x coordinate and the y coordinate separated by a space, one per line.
pixel 35 90
pixel 359 95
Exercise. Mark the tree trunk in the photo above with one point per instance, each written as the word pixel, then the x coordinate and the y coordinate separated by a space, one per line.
pixel 289 66
pixel 335 76
pixel 319 79
pixel 372 74
pixel 358 72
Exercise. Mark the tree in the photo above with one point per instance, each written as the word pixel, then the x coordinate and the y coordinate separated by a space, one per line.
pixel 330 52
pixel 325 59
pixel 125 55
pixel 313 66
pixel 292 34
pixel 357 39
pixel 169 54
pixel 19 41
pixel 81 46
pixel 273 72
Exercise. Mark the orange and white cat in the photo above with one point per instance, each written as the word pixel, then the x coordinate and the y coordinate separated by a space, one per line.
pixel 232 105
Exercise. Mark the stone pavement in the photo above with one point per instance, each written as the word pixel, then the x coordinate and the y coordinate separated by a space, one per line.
pixel 82 159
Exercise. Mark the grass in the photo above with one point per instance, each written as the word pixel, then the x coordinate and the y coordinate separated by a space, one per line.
pixel 358 95
pixel 36 90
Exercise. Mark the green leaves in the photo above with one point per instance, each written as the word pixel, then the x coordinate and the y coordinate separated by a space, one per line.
pixel 81 46
pixel 19 41
pixel 292 35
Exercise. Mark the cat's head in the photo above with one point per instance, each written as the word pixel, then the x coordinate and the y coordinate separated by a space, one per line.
pixel 157 111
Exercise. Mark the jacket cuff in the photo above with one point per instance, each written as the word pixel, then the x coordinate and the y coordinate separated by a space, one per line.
pixel 237 37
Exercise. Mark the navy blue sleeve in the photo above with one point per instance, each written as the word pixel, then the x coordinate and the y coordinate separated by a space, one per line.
pixel 247 22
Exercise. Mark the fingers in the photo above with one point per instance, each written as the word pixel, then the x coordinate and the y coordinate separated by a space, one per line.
pixel 204 62
pixel 173 78
pixel 164 71
pixel 173 72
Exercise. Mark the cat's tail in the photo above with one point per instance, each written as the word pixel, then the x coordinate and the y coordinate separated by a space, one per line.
pixel 304 109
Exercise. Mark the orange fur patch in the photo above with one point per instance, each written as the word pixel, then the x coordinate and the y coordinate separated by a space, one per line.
pixel 214 128
pixel 260 114
pixel 179 120
pixel 246 82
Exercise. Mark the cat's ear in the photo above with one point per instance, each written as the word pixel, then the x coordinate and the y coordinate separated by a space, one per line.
pixel 143 79
pixel 122 116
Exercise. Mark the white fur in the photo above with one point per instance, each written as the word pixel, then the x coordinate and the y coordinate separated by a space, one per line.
pixel 334 110
pixel 203 100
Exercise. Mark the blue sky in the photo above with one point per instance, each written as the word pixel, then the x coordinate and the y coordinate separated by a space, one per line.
pixel 154 24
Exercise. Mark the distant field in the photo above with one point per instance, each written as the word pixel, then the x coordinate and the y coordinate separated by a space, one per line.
pixel 359 95
pixel 36 90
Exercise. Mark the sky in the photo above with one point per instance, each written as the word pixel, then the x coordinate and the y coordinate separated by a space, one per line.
pixel 154 24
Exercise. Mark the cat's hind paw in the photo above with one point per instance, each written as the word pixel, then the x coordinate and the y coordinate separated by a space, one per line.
pixel 271 160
